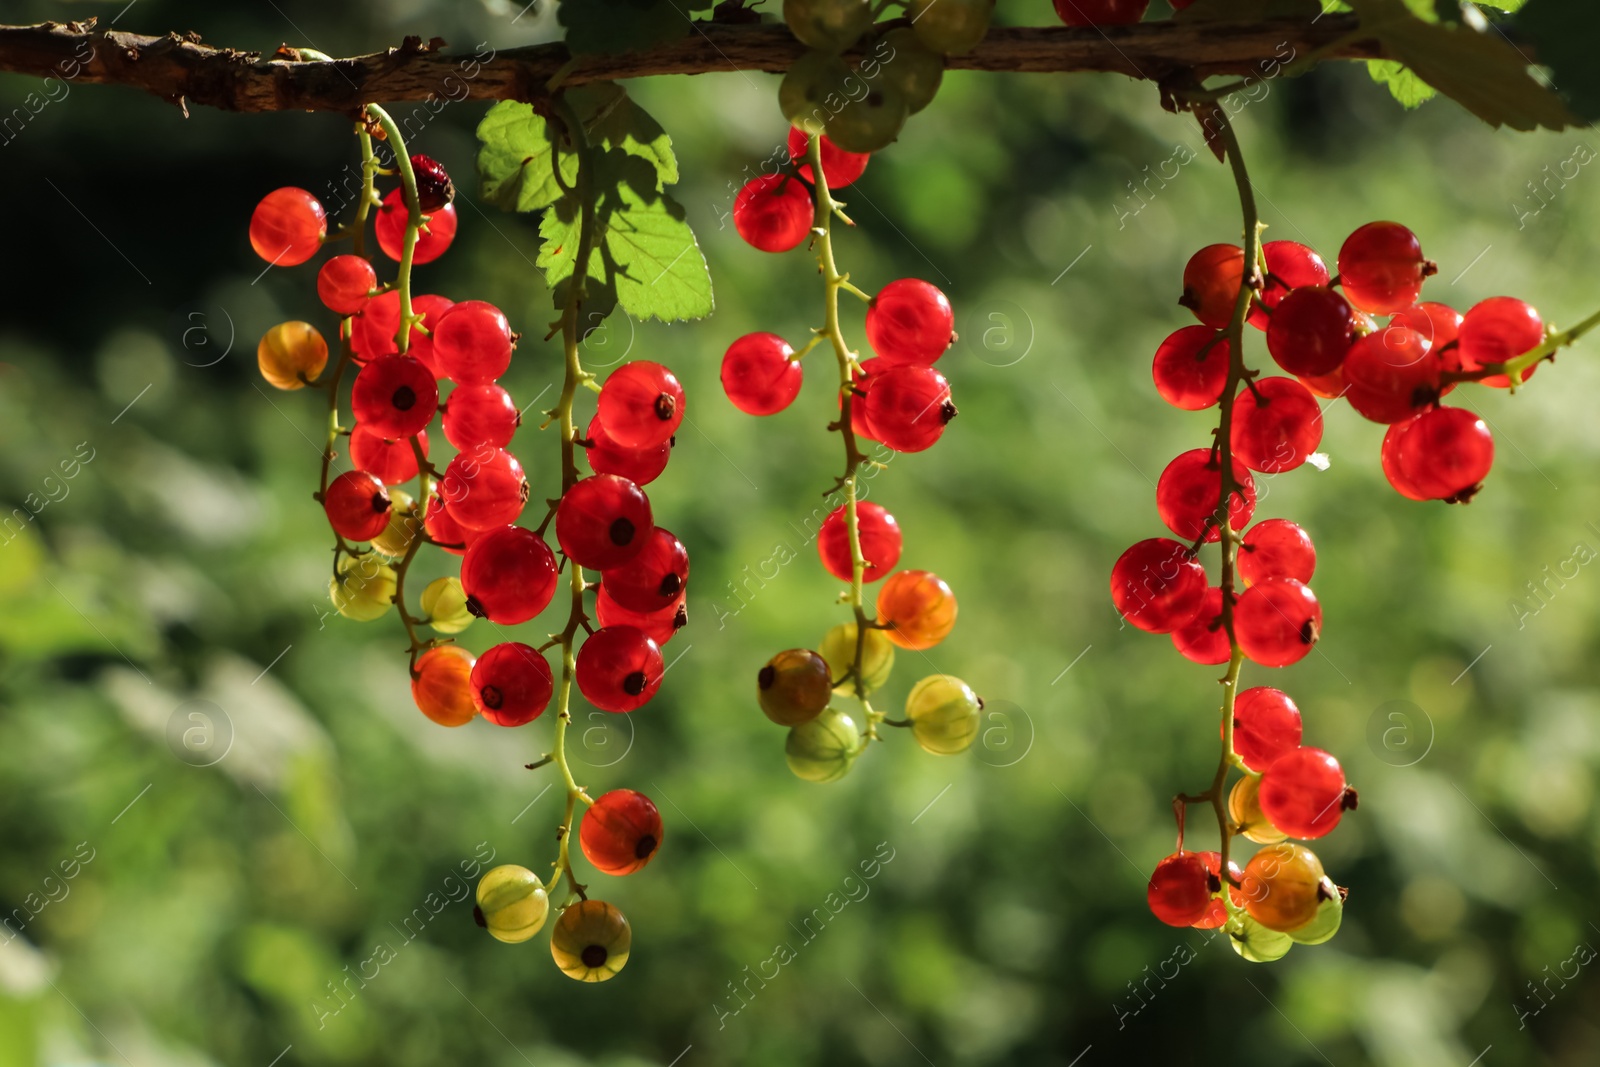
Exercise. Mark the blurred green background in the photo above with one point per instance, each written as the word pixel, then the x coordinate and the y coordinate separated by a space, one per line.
pixel 211 911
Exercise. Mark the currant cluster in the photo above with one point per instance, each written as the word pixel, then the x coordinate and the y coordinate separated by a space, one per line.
pixel 425 357
pixel 897 399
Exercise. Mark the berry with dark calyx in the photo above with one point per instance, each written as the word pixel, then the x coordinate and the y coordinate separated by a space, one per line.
pixel 1180 889
pixel 809 93
pixel 345 284
pixel 1217 912
pixel 909 322
pixel 641 404
pixel 512 684
pixel 509 575
pixel 915 69
pixel 839 168
pixel 917 608
pixel 831 25
pixel 442 686
pixel 477 415
pixel 472 343
pixel 944 713
pixel 1310 332
pixel 620 832
pixel 1211 281
pixel 444 605
pixel 1266 725
pixel 879 536
pixel 1391 375
pixel 484 488
pixel 868 120
pixel 1101 13
pixel 1158 585
pixel 1381 268
pixel 288 227
pixel 357 504
pixel 1328 918
pixel 1304 793
pixel 394 540
pixel 619 668
pixel 1191 368
pixel 1254 942
pixel 1203 638
pixel 908 407
pixel 838 647
pixel 1276 548
pixel 591 941
pixel 1276 425
pixel 1244 808
pixel 1496 330
pixel 1390 458
pixel 950 27
pixel 655 578
pixel 603 522
pixel 1281 886
pixel 363 588
pixel 1188 492
pixel 443 529
pixel 1277 621
pixel 434 188
pixel 1290 266
pixel 291 354
pixel 640 466
pixel 824 748
pixel 513 903
pixel 395 396
pixel 660 626
pixel 433 240
pixel 794 687
pixel 773 213
pixel 1445 454
pixel 760 374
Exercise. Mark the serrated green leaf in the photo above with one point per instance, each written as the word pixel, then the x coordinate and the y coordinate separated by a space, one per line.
pixel 606 27
pixel 611 119
pixel 516 159
pixel 1403 83
pixel 1564 33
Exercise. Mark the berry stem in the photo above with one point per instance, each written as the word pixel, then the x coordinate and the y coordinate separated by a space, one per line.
pixel 414 221
pixel 1513 368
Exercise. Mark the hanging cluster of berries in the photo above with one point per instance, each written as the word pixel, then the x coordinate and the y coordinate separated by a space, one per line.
pixel 428 356
pixel 897 399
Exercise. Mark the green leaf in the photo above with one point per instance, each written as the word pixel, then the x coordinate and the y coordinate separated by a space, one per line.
pixel 605 27
pixel 612 120
pixel 1402 81
pixel 516 159
pixel 1563 33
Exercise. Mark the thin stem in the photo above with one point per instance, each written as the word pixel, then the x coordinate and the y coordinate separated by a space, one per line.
pixel 1513 368
pixel 414 222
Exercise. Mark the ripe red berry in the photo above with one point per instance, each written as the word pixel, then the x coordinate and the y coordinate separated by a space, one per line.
pixel 862 380
pixel 654 579
pixel 1203 638
pixel 1189 495
pixel 472 343
pixel 1266 724
pixel 603 522
pixel 1310 332
pixel 1277 432
pixel 1303 793
pixel 641 404
pixel 1328 386
pixel 344 284
pixel 1381 267
pixel 1439 324
pixel 760 374
pixel 918 609
pixel 1216 912
pixel 619 668
pixel 1276 548
pixel 1276 621
pixel 1211 281
pixel 660 626
pixel 480 415
pixel 392 461
pixel 839 167
pixel 909 322
pixel 512 684
pixel 1445 454
pixel 372 334
pixel 773 213
pixel 1290 266
pixel 484 488
pixel 1390 458
pixel 641 466
pixel 443 529
pixel 1498 329
pixel 1191 368
pixel 419 345
pixel 395 396
pixel 621 832
pixel 880 541
pixel 442 686
pixel 908 407
pixel 1101 13
pixel 1391 374
pixel 432 240
pixel 434 187
pixel 357 505
pixel 287 227
pixel 1157 585
pixel 509 575
pixel 1181 886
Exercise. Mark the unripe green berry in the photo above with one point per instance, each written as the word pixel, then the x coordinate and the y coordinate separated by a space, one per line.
pixel 813 90
pixel 1255 942
pixel 831 25
pixel 877 657
pixel 823 749
pixel 944 714
pixel 950 26
pixel 869 120
pixel 911 67
pixel 404 525
pixel 364 589
pixel 513 903
pixel 1330 913
pixel 444 603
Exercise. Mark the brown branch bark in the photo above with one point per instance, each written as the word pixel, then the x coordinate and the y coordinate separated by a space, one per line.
pixel 182 70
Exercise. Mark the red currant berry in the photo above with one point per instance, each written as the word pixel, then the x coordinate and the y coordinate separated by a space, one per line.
pixel 419 345
pixel 641 466
pixel 641 405
pixel 1303 793
pixel 1381 267
pixel 1190 489
pixel 512 684
pixel 1266 725
pixel 509 575
pixel 760 374
pixel 1191 368
pixel 1328 386
pixel 1203 638
pixel 345 283
pixel 434 187
pixel 445 531
pixel 1439 324
pixel 603 522
pixel 773 213
pixel 654 579
pixel 432 240
pixel 1157 585
pixel 287 227
pixel 1276 432
pixel 1181 886
pixel 659 626
pixel 1102 13
pixel 1390 457
pixel 395 396
pixel 1498 329
pixel 839 167
pixel 392 461
pixel 909 322
pixel 1310 332
pixel 480 415
pixel 1211 281
pixel 357 505
pixel 1282 886
pixel 880 541
pixel 908 407
pixel 1216 912
pixel 1277 621
pixel 484 488
pixel 1445 454
pixel 472 343
pixel 918 608
pixel 621 832
pixel 1290 266
pixel 442 687
pixel 862 380
pixel 1276 548
pixel 1391 375
pixel 619 668
pixel 372 333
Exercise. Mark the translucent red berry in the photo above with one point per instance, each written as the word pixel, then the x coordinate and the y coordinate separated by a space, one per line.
pixel 909 322
pixel 1189 495
pixel 1303 793
pixel 1390 458
pixel 484 488
pixel 357 505
pixel 419 345
pixel 1203 639
pixel 880 541
pixel 509 575
pixel 1276 548
pixel 654 579
pixel 619 668
pixel 512 684
pixel 395 396
pixel 862 380
pixel 1216 912
pixel 478 415
pixel 392 461
pixel 344 284
pixel 1191 368
pixel 443 529
pixel 773 213
pixel 641 466
pixel 1391 374
pixel 908 407
pixel 442 686
pixel 839 167
pixel 660 626
pixel 760 374
pixel 434 187
pixel 1496 330
pixel 1266 724
pixel 287 227
pixel 1290 266
pixel 1276 432
pixel 1211 281
pixel 1381 267
pixel 372 334
pixel 918 609
pixel 1277 621
pixel 603 521
pixel 1439 324
pixel 1181 886
pixel 641 404
pixel 1310 332
pixel 620 832
pixel 1445 454
pixel 433 240
pixel 1101 13
pixel 472 343
pixel 1157 585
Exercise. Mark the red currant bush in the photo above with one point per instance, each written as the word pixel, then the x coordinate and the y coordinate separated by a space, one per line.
pixel 944 713
pixel 653 580
pixel 1391 374
pixel 472 343
pixel 621 832
pixel 660 626
pixel 433 240
pixel 345 284
pixel 1445 454
pixel 839 168
pixel 441 685
pixel 513 904
pixel 1496 330
pixel 445 531
pixel 917 608
pixel 509 575
pixel 794 687
pixel 1281 886
pixel 591 941
pixel 1203 639
pixel 619 668
pixel 392 462
pixel 478 415
pixel 641 466
pixel 1211 282
pixel 1101 13
pixel 291 354
pixel 824 748
pixel 1310 332
pixel 908 407
pixel 512 684
pixel 1290 266
pixel 1217 912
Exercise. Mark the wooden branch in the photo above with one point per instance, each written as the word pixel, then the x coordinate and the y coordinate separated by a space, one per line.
pixel 182 70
